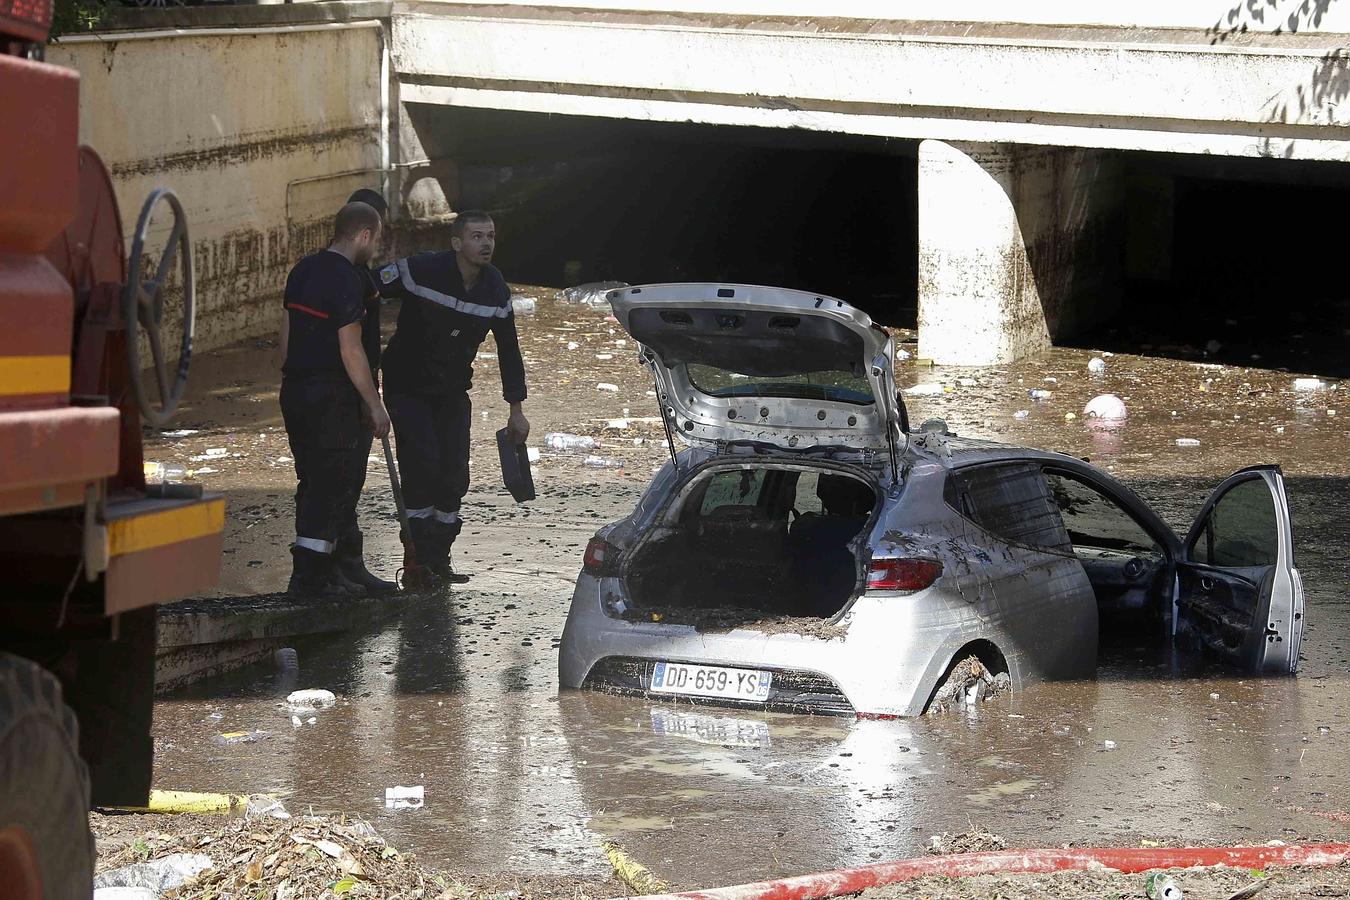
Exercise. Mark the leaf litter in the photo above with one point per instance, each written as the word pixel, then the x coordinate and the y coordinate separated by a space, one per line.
pixel 310 857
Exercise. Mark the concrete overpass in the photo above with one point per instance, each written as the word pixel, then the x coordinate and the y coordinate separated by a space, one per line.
pixel 1023 202
pixel 1020 193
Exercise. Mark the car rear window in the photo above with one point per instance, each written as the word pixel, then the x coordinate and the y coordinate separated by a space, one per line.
pixel 731 490
pixel 841 387
pixel 1010 500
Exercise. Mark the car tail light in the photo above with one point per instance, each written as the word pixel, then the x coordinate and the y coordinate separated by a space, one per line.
pixel 902 574
pixel 602 557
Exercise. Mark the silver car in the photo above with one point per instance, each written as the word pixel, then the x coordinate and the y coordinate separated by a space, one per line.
pixel 806 552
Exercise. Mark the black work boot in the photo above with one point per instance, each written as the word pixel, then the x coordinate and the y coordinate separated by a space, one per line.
pixel 440 563
pixel 314 574
pixel 352 567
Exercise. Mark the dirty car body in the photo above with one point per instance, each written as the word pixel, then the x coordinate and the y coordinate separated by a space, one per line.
pixel 805 552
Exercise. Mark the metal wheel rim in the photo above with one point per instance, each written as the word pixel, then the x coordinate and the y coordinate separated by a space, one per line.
pixel 144 300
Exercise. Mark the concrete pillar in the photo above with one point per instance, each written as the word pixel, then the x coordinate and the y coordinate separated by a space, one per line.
pixel 424 184
pixel 1018 246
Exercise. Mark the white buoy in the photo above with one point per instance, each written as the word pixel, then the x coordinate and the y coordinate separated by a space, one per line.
pixel 1106 406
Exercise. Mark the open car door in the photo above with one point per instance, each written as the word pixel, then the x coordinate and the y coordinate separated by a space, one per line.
pixel 1238 591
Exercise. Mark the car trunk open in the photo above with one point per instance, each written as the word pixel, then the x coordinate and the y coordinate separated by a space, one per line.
pixel 765 366
pixel 749 543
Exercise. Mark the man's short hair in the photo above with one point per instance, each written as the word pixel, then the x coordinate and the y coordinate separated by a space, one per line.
pixel 354 218
pixel 372 199
pixel 461 223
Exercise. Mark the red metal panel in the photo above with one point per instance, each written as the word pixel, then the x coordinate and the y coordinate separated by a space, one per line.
pixel 37 310
pixel 37 499
pixel 55 446
pixel 161 574
pixel 40 106
pixel 90 251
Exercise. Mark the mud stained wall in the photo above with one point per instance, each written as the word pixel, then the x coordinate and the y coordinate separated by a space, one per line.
pixel 261 133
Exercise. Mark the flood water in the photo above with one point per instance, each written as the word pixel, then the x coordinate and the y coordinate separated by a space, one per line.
pixel 460 694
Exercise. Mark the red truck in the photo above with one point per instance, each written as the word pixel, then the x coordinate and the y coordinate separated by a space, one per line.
pixel 87 547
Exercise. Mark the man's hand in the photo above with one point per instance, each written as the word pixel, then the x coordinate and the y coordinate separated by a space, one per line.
pixel 358 370
pixel 379 420
pixel 517 426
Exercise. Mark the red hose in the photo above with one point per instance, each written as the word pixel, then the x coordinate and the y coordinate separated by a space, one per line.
pixel 1012 862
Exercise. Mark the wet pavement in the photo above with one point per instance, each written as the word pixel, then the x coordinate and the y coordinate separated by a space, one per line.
pixel 460 694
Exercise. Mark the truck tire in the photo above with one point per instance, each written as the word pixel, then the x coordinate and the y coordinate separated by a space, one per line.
pixel 44 786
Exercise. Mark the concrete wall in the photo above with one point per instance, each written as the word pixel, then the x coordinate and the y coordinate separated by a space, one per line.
pixel 262 133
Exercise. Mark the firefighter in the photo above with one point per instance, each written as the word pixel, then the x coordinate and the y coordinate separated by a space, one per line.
pixel 349 553
pixel 326 383
pixel 451 301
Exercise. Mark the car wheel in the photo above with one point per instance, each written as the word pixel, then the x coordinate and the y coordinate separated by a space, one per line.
pixel 968 682
pixel 46 848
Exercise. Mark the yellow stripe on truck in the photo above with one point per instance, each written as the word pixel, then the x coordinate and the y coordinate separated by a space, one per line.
pixel 170 526
pixel 34 375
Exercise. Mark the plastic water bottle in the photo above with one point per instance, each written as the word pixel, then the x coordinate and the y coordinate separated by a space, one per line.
pixel 557 440
pixel 602 462
pixel 163 473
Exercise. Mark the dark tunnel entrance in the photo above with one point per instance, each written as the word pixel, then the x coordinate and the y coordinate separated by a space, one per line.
pixel 587 199
pixel 1237 261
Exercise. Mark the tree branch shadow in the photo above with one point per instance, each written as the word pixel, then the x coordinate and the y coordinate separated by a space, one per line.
pixel 1329 84
pixel 1304 15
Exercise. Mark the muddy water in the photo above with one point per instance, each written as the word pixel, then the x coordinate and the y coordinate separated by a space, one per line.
pixel 460 695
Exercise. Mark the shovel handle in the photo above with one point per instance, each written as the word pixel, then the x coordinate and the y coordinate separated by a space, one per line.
pixel 396 484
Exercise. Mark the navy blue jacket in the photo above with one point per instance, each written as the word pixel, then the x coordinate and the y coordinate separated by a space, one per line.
pixel 441 326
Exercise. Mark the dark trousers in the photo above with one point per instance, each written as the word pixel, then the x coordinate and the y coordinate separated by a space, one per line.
pixel 349 533
pixel 433 452
pixel 324 427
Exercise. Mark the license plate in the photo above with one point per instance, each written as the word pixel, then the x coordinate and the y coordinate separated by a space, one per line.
pixel 711 681
pixel 717 730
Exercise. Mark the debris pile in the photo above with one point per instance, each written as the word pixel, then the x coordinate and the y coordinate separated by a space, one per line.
pixel 969 683
pixel 296 859
pixel 976 840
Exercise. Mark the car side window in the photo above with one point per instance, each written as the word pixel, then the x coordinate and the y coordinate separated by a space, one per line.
pixel 736 488
pixel 1095 519
pixel 1241 530
pixel 1010 501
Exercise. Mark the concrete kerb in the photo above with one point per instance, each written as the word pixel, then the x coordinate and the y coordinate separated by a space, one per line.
pixel 242 16
pixel 200 639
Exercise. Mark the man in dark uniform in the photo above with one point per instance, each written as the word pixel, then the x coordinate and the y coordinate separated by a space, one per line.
pixel 349 553
pixel 451 300
pixel 326 383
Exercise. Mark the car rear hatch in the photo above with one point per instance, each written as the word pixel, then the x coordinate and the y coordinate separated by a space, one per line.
pixel 769 366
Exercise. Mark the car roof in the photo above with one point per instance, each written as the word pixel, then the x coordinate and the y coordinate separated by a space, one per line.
pixel 955 451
